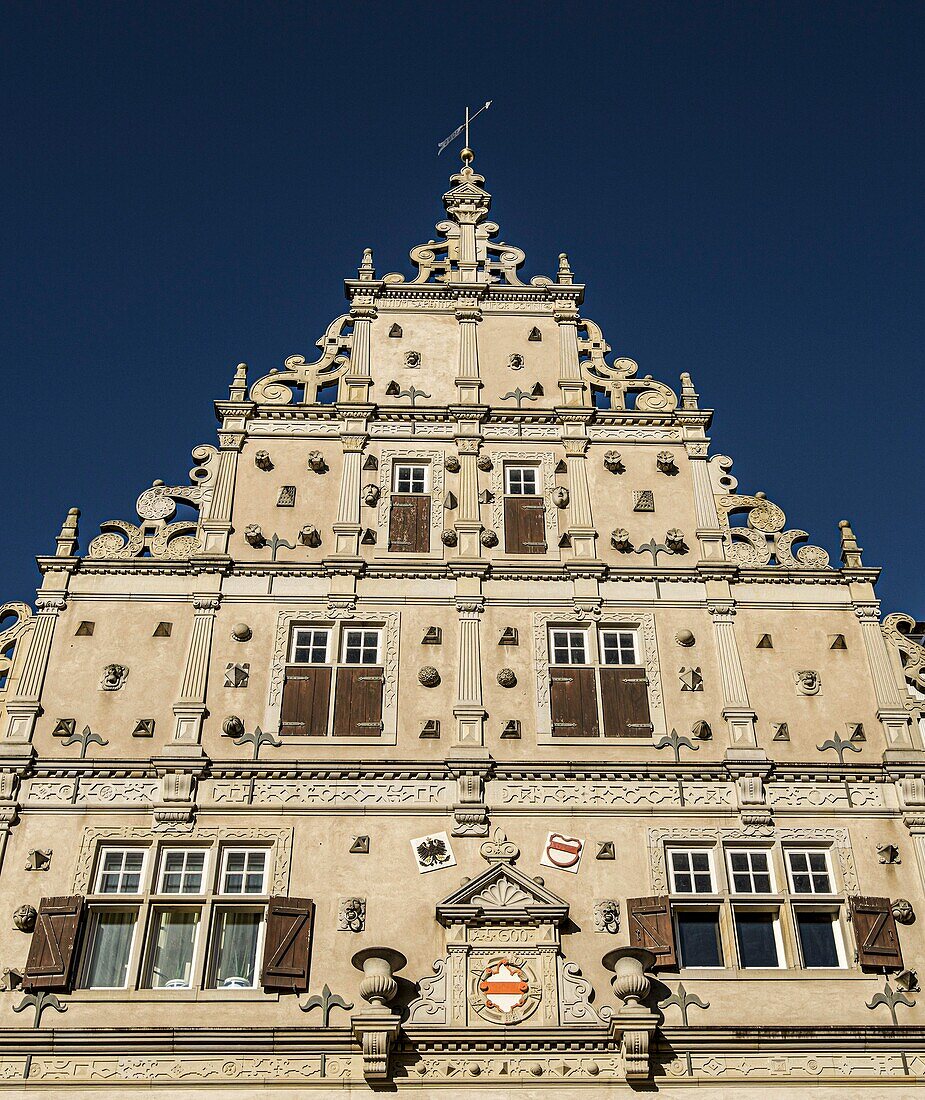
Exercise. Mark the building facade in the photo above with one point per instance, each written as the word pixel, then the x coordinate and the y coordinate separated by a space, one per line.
pixel 460 727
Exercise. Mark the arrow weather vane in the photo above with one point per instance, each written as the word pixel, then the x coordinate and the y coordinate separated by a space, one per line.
pixel 459 129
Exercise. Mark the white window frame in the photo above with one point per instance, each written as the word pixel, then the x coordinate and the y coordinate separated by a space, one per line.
pixel 690 850
pixel 533 470
pixel 813 893
pixel 220 907
pixel 835 912
pixel 774 910
pixel 123 850
pixel 147 970
pixel 131 965
pixel 345 631
pixel 749 852
pixel 221 892
pixel 314 630
pixel 625 630
pixel 399 466
pixel 159 890
pixel 586 643
pixel 716 908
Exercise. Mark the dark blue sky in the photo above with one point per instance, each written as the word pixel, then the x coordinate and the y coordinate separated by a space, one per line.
pixel 185 185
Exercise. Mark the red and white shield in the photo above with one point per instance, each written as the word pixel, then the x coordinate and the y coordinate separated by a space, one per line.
pixel 504 986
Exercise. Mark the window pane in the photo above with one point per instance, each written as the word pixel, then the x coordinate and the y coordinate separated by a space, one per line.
pixel 182 872
pixel 110 945
pixel 311 647
pixel 757 943
pixel 817 939
pixel 236 949
pixel 618 647
pixel 120 871
pixel 690 872
pixel 410 479
pixel 174 940
pixel 809 873
pixel 698 939
pixel 244 872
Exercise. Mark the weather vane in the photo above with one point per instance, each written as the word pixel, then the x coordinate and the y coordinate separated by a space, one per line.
pixel 467 154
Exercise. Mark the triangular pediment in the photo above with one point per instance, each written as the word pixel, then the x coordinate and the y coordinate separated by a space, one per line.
pixel 502 893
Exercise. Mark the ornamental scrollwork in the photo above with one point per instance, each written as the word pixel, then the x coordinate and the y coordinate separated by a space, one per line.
pixel 651 396
pixel 467 204
pixel 282 387
pixel 897 630
pixel 764 538
pixel 156 536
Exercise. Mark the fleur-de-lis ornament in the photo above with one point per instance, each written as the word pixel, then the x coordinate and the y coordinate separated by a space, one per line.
pixel 275 543
pixel 327 1002
pixel 519 396
pixel 654 548
pixel 413 393
pixel 39 1001
pixel 258 739
pixel 85 739
pixel 891 998
pixel 677 742
pixel 683 1000
pixel 839 746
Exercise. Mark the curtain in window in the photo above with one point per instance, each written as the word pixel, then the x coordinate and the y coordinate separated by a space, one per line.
pixel 173 949
pixel 236 949
pixel 112 941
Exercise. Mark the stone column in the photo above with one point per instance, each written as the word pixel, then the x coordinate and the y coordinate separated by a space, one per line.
pixel 571 385
pixel 469 712
pixel 23 710
pixel 890 709
pixel 581 523
pixel 190 708
pixel 469 316
pixel 356 383
pixel 709 529
pixel 468 525
pixel 737 711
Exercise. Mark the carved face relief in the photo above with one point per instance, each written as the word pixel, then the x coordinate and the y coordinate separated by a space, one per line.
pixel 560 497
pixel 901 908
pixel 370 494
pixel 807 682
pixel 113 677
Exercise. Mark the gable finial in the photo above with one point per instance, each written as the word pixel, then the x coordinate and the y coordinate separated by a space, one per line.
pixel 237 391
pixel 850 551
pixel 499 849
pixel 366 271
pixel 66 542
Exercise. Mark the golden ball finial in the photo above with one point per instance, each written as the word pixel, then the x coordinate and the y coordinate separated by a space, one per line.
pixel 467 156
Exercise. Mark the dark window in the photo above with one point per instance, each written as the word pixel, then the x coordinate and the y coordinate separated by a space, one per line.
pixel 691 872
pixel 698 939
pixel 756 939
pixel 817 938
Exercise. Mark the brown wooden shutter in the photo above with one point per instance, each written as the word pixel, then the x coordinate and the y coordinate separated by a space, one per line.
pixel 53 951
pixel 409 523
pixel 288 945
pixel 875 932
pixel 306 696
pixel 573 701
pixel 524 525
pixel 358 701
pixel 651 928
pixel 625 701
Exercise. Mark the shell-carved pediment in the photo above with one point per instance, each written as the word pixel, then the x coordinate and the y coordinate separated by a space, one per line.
pixel 502 893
